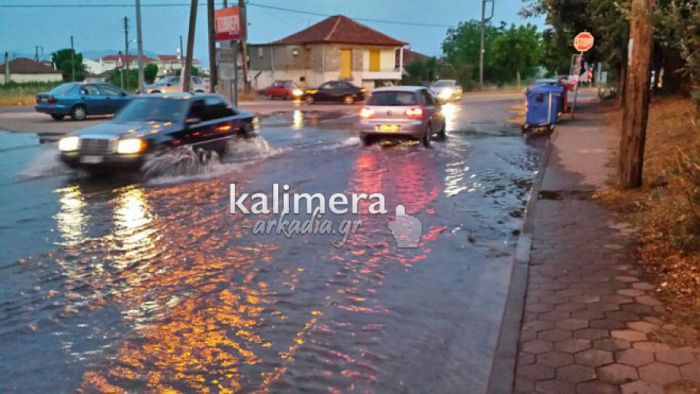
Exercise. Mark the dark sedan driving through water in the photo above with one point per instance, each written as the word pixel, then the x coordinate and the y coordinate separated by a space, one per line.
pixel 155 123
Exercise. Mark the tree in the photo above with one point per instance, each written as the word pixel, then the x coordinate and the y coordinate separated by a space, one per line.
pixel 150 72
pixel 556 56
pixel 420 72
pixel 517 51
pixel 67 60
pixel 461 48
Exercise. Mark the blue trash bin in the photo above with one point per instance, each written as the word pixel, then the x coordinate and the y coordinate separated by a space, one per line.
pixel 543 106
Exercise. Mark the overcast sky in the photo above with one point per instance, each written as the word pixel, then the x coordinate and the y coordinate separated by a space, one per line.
pixel 98 28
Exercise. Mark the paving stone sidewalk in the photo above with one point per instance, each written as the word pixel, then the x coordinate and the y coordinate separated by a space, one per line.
pixel 590 321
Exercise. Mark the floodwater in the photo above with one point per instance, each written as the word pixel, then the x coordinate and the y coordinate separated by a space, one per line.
pixel 149 283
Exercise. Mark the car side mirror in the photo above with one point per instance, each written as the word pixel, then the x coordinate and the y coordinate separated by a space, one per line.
pixel 168 84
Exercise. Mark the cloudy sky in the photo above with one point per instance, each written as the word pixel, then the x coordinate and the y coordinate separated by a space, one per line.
pixel 97 24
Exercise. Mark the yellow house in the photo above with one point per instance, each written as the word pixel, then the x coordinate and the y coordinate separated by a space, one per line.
pixel 335 48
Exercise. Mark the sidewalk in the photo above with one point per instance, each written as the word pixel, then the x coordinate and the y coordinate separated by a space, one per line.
pixel 591 323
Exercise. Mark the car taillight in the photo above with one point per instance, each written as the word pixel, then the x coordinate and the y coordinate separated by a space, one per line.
pixel 415 113
pixel 53 100
pixel 366 113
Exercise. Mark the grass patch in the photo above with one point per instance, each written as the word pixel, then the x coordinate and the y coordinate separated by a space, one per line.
pixel 23 93
pixel 667 208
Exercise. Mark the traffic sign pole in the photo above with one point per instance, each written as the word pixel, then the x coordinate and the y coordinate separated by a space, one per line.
pixel 582 43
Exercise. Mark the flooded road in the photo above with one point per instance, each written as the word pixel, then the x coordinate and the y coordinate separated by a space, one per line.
pixel 151 284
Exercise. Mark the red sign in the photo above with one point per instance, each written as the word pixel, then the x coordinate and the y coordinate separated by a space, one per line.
pixel 227 25
pixel 583 41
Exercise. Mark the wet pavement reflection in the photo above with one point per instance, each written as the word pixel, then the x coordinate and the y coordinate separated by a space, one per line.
pixel 151 285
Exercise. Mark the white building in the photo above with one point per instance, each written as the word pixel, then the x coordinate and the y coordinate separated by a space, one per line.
pixel 23 70
pixel 335 48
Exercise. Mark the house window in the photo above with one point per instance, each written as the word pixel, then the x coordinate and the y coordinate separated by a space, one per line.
pixel 295 52
pixel 374 60
pixel 260 52
pixel 346 63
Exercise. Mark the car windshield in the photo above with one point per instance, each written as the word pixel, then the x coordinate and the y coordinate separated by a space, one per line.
pixel 145 109
pixel 63 89
pixel 443 84
pixel 393 98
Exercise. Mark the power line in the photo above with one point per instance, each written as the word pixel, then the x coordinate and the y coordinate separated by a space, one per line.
pixel 182 4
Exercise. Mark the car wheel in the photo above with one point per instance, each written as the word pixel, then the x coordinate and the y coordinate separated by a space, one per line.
pixel 441 133
pixel 155 91
pixel 349 100
pixel 309 99
pixel 57 116
pixel 426 137
pixel 78 113
pixel 199 91
pixel 366 140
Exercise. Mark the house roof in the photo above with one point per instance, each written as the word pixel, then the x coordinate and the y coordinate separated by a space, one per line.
pixel 411 56
pixel 341 30
pixel 23 65
pixel 172 58
pixel 131 58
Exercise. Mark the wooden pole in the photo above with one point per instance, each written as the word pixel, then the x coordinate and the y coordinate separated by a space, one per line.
pixel 244 44
pixel 636 99
pixel 213 71
pixel 187 72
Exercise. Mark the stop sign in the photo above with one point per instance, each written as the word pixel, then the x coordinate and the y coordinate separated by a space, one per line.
pixel 583 41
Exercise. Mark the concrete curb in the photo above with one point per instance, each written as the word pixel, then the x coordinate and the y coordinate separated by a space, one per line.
pixel 502 377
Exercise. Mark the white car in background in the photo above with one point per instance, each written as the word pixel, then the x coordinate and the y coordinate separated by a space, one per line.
pixel 446 90
pixel 171 84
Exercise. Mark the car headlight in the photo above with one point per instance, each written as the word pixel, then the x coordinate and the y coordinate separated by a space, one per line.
pixel 297 92
pixel 130 146
pixel 446 93
pixel 69 144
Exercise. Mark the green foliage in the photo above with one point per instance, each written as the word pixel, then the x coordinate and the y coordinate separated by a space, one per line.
pixel 517 52
pixel 556 57
pixel 461 49
pixel 150 72
pixel 678 28
pixel 68 60
pixel 131 79
pixel 420 72
pixel 195 71
pixel 508 52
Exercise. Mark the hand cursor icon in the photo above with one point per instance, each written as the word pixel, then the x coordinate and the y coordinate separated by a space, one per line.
pixel 406 229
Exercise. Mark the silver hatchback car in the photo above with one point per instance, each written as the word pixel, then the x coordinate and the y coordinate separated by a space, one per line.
pixel 409 111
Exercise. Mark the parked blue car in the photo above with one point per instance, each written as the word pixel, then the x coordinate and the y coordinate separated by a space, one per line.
pixel 78 100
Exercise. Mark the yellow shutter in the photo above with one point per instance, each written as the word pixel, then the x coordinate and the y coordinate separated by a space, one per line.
pixel 346 63
pixel 374 56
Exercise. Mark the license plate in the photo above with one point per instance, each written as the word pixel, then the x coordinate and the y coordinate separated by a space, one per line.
pixel 43 100
pixel 91 159
pixel 389 128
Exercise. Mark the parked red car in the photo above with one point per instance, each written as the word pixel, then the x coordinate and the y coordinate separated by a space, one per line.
pixel 284 89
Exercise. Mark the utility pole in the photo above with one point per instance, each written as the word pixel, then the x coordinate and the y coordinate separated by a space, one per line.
pixel 139 44
pixel 7 68
pixel 36 53
pixel 121 70
pixel 244 44
pixel 182 55
pixel 187 71
pixel 72 60
pixel 636 100
pixel 484 21
pixel 126 51
pixel 213 72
